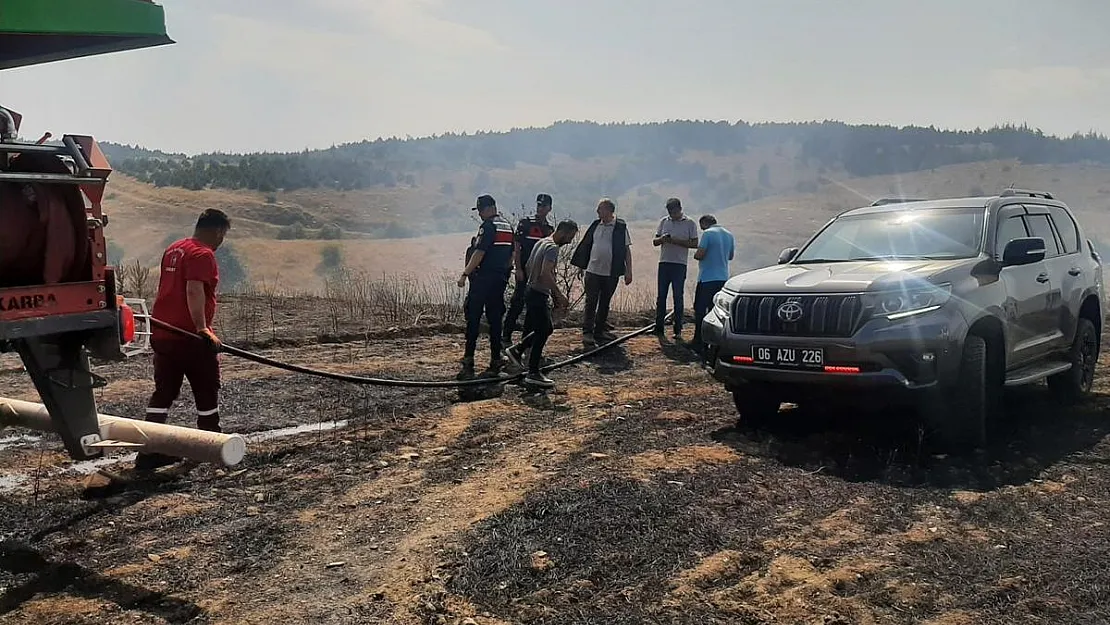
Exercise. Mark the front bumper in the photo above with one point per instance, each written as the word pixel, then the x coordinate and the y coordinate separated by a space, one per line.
pixel 913 353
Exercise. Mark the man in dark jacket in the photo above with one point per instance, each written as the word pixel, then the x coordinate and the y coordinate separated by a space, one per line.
pixel 528 232
pixel 487 268
pixel 603 256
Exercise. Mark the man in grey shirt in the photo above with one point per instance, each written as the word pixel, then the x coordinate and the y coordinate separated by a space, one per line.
pixel 542 288
pixel 675 236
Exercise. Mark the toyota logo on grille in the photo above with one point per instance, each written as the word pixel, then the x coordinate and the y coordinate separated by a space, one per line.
pixel 790 312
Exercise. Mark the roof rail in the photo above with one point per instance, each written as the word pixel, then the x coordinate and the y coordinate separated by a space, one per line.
pixel 1011 192
pixel 883 201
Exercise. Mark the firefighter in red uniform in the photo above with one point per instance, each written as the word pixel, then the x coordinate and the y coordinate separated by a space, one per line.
pixel 187 300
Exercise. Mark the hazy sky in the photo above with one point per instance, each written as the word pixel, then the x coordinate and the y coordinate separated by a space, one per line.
pixel 252 75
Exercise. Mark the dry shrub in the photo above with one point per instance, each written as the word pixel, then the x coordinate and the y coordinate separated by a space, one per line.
pixel 355 302
pixel 396 300
pixel 568 277
pixel 134 280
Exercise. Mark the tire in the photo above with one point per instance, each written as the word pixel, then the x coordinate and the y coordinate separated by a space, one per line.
pixel 960 414
pixel 1074 384
pixel 756 404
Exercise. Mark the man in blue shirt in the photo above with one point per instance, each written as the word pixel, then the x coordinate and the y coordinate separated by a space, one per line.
pixel 715 249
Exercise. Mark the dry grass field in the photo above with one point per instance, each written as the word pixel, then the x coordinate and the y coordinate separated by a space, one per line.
pixel 143 216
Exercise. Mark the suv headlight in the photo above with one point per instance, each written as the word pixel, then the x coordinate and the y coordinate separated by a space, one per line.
pixel 901 303
pixel 722 302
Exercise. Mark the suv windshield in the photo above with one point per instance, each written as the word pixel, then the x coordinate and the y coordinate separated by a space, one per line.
pixel 930 234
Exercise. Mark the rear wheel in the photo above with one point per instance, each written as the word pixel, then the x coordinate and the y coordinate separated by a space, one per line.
pixel 756 404
pixel 1075 383
pixel 961 413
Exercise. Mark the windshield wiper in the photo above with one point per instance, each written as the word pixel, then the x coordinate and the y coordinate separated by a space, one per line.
pixel 823 260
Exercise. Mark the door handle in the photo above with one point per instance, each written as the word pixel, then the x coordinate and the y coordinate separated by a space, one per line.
pixel 1074 271
pixel 1042 278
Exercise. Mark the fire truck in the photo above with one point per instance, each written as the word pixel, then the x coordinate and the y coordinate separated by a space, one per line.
pixel 59 304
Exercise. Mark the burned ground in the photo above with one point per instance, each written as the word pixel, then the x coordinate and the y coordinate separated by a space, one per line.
pixel 628 496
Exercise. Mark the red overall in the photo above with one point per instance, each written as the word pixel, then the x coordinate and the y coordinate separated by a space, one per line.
pixel 178 358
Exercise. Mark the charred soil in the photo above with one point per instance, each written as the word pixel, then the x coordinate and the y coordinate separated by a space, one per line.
pixel 628 495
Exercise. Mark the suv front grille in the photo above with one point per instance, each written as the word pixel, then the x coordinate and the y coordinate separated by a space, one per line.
pixel 821 315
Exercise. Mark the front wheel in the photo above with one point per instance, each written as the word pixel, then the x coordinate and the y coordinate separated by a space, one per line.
pixel 1074 384
pixel 757 405
pixel 961 414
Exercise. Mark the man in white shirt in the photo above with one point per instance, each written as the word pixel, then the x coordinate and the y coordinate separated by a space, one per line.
pixel 675 236
pixel 603 256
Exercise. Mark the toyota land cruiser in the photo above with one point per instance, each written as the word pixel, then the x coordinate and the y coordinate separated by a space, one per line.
pixel 939 302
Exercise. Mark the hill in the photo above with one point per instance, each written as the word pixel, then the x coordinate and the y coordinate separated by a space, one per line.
pixel 393 206
pixel 392 188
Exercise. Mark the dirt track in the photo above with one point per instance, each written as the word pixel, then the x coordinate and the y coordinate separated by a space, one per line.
pixel 627 497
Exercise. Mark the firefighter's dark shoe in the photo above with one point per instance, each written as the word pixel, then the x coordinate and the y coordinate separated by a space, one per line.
pixel 467 362
pixel 497 364
pixel 588 340
pixel 152 461
pixel 209 424
pixel 606 337
pixel 538 379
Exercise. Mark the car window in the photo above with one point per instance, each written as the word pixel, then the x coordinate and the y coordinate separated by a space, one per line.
pixel 1009 229
pixel 1066 228
pixel 1039 226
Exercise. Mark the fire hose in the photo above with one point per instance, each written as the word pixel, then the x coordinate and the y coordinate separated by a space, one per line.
pixel 363 380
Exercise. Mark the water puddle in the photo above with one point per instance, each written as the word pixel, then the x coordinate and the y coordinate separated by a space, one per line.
pixel 10 482
pixel 323 426
pixel 17 440
pixel 88 467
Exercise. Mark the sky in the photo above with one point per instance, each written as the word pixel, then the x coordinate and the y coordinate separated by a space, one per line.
pixel 288 75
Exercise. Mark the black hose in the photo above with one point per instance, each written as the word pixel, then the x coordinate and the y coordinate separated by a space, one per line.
pixel 357 379
pixel 600 348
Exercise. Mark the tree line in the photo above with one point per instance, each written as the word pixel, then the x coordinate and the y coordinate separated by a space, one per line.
pixel 649 152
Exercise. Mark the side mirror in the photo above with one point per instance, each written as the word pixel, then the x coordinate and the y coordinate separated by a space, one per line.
pixel 1023 251
pixel 787 255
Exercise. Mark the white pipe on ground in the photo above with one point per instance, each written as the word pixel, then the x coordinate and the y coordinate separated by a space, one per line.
pixel 173 440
